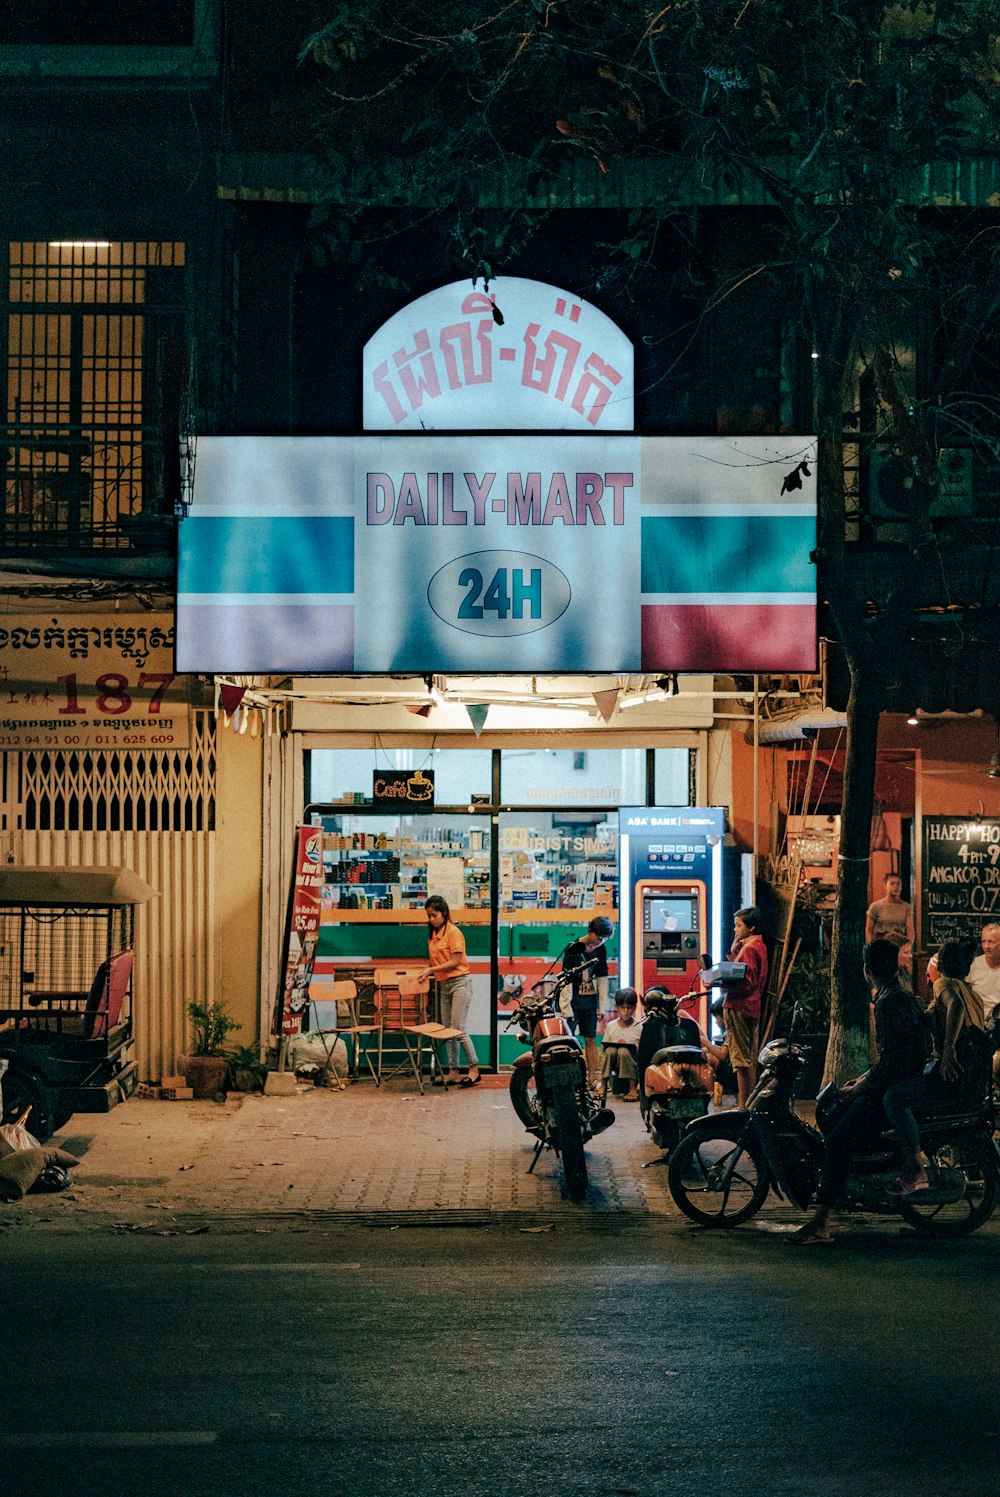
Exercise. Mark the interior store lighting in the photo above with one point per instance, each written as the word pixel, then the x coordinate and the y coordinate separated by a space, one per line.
pixel 79 244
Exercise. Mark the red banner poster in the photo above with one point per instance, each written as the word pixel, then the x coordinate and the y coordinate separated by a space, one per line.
pixel 301 930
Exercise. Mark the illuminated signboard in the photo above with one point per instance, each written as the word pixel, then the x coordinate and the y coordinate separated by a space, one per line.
pixel 521 355
pixel 475 554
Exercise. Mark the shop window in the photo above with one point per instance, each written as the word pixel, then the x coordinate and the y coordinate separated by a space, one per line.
pixel 558 861
pixel 345 775
pixel 672 772
pixel 573 777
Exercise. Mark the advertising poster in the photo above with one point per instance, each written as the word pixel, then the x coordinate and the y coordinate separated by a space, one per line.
pixel 82 682
pixel 302 932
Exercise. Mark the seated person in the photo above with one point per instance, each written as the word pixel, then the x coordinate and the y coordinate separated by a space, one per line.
pixel 903 1040
pixel 954 1011
pixel 620 1047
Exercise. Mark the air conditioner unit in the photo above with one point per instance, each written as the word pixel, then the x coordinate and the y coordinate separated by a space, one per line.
pixel 890 499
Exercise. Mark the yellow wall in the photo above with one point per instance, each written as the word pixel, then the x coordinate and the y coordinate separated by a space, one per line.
pixel 239 871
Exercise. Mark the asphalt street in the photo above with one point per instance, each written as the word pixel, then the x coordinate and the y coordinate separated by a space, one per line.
pixel 593 1358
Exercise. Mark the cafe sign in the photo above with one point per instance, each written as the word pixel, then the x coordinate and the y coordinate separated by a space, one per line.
pixel 395 788
pixel 70 681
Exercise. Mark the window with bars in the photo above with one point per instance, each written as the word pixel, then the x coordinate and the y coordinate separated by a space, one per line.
pixel 95 359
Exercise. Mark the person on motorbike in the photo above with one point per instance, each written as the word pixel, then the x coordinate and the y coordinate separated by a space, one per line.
pixel 903 1039
pixel 952 1082
pixel 586 962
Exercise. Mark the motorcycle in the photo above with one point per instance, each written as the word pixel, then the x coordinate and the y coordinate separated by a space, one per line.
pixel 548 1086
pixel 675 1077
pixel 725 1166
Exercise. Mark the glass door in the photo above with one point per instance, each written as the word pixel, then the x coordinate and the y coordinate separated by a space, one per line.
pixel 378 871
pixel 556 870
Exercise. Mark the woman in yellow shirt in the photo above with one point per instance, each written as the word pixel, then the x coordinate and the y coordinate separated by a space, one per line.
pixel 449 967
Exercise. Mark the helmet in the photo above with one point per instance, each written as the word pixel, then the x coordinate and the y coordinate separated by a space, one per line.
pixel 659 1000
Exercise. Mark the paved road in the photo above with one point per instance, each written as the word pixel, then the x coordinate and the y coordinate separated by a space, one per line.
pixel 652 1360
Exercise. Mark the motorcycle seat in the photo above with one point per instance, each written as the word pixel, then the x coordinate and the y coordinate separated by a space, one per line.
pixel 950 1116
pixel 680 1055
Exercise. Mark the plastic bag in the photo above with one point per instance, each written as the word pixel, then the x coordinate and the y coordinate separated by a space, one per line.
pixel 18 1137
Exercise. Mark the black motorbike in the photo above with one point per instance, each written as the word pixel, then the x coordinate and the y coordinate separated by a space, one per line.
pixel 725 1165
pixel 548 1086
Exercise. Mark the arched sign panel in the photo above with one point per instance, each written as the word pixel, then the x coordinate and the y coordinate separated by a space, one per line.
pixel 521 356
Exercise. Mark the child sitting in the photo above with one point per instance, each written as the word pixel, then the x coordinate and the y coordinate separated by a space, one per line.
pixel 619 1047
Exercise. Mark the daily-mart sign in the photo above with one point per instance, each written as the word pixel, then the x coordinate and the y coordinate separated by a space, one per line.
pixel 380 554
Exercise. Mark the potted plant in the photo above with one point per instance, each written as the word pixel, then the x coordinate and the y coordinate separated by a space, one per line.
pixel 249 1071
pixel 208 1064
pixel 809 991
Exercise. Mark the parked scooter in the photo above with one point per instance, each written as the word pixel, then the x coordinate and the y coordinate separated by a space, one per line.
pixel 675 1075
pixel 548 1086
pixel 724 1167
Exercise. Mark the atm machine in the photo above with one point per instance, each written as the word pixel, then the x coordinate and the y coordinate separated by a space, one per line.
pixel 682 880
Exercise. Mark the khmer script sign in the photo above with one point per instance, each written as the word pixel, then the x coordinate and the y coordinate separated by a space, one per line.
pixel 515 354
pixel 89 682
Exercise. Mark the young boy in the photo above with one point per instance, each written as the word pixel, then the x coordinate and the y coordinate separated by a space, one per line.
pixel 620 1047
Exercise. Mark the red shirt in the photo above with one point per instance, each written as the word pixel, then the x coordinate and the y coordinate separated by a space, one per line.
pixel 746 996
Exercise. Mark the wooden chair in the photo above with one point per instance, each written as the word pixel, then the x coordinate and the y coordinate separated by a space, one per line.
pixel 401 1003
pixel 351 1025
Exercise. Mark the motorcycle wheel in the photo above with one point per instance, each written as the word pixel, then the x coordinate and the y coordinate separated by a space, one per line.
pixel 524 1098
pixel 20 1092
pixel 569 1136
pixel 698 1163
pixel 961 1217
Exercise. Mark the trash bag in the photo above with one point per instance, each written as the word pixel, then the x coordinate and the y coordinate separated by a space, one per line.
pixel 52 1178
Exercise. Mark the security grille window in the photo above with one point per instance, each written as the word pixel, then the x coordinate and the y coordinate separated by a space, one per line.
pixel 95 359
pixel 106 790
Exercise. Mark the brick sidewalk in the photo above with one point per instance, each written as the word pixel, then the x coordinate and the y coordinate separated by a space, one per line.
pixel 387 1155
pixel 360 1151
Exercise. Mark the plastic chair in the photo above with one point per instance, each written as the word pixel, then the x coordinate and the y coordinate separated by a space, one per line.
pixel 350 1026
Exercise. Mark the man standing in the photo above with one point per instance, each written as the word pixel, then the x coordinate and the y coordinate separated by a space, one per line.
pixel 741 1008
pixel 891 919
pixel 984 974
pixel 984 979
pixel 587 963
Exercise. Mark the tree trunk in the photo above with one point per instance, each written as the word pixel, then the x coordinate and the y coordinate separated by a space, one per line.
pixel 847 1049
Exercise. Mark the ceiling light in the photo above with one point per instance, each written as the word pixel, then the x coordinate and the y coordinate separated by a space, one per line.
pixel 79 244
pixel 642 699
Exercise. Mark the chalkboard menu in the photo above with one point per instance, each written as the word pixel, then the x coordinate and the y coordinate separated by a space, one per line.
pixel 961 877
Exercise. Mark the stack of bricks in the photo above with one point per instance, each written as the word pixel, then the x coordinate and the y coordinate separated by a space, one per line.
pixel 170 1089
